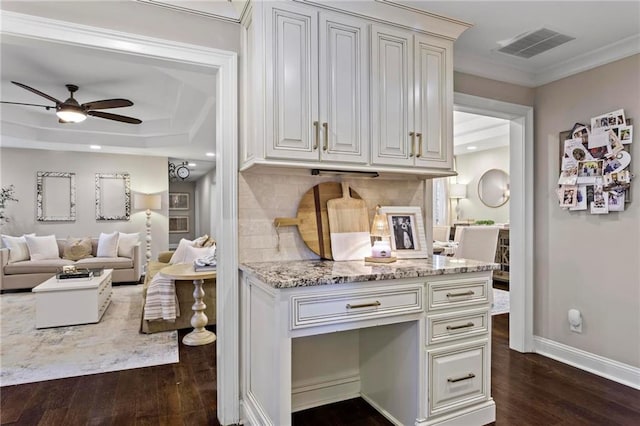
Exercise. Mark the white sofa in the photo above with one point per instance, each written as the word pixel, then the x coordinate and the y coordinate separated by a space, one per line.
pixel 30 273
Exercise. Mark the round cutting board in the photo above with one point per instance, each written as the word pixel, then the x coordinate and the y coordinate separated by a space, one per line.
pixel 312 218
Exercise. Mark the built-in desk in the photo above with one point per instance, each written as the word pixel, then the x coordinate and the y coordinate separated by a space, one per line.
pixel 412 338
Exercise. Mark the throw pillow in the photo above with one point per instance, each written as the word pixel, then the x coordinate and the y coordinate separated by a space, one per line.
pixel 194 253
pixel 18 249
pixel 108 245
pixel 41 248
pixel 199 242
pixel 181 251
pixel 77 248
pixel 209 243
pixel 126 243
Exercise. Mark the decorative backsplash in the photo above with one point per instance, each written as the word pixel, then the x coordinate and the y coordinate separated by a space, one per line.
pixel 263 197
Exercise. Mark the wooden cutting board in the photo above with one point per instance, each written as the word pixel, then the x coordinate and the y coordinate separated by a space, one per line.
pixel 312 218
pixel 349 227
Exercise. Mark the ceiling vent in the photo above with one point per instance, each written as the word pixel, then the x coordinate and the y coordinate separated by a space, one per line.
pixel 533 43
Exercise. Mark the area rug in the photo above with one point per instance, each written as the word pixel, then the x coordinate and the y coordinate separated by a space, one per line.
pixel 500 302
pixel 31 355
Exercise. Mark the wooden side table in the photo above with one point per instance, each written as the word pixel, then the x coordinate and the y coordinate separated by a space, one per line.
pixel 184 271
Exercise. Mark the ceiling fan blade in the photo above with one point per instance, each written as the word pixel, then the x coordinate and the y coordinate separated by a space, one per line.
pixel 107 103
pixel 37 92
pixel 115 117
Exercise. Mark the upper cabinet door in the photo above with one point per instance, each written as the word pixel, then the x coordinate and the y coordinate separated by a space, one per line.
pixel 433 102
pixel 344 89
pixel 291 83
pixel 391 96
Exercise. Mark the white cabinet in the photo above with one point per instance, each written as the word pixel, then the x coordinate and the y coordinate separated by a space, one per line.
pixel 352 90
pixel 318 97
pixel 416 361
pixel 412 99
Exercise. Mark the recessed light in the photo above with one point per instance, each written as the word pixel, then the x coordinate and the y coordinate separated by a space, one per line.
pixel 192 164
pixel 471 148
pixel 210 154
pixel 95 147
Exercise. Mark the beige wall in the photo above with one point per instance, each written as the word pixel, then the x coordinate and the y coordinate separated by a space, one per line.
pixel 263 197
pixel 487 88
pixel 584 261
pixel 470 168
pixel 148 175
pixel 137 18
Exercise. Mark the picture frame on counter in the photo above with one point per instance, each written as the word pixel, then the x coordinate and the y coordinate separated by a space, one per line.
pixel 408 238
pixel 178 224
pixel 178 201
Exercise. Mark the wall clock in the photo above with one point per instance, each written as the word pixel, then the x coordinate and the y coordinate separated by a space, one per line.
pixel 182 172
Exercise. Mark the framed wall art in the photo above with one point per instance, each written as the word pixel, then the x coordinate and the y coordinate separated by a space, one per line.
pixel 178 224
pixel 113 196
pixel 56 197
pixel 408 238
pixel 178 201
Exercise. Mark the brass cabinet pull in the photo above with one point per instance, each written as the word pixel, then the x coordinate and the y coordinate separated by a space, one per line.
pixel 466 293
pixel 317 130
pixel 459 379
pixel 458 327
pixel 364 305
pixel 413 143
pixel 325 126
pixel 419 135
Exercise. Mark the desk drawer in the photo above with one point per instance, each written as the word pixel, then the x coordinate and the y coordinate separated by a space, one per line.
pixel 458 376
pixel 448 327
pixel 342 306
pixel 457 293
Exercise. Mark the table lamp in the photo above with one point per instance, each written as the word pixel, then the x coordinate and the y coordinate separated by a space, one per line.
pixel 381 250
pixel 149 202
pixel 456 192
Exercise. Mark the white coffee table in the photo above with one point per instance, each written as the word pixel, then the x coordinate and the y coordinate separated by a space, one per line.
pixel 72 301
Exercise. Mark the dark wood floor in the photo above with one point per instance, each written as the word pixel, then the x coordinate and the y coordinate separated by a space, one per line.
pixel 528 389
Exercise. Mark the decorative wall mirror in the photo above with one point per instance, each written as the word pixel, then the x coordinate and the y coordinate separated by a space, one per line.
pixel 493 188
pixel 56 197
pixel 113 196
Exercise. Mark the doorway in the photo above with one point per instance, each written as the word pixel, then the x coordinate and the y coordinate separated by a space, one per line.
pixel 520 119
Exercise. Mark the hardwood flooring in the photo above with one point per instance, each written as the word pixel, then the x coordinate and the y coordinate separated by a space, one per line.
pixel 528 389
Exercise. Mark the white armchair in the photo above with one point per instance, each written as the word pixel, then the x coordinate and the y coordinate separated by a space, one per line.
pixel 477 242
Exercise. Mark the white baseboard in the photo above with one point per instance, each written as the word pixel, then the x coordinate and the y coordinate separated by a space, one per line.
pixel 380 410
pixel 613 370
pixel 478 414
pixel 324 392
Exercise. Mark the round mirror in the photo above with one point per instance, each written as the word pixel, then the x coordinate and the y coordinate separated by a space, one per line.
pixel 493 188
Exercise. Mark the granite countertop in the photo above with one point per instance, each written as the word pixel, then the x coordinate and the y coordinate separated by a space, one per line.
pixel 303 273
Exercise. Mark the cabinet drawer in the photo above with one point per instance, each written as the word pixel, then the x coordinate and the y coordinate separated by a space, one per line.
pixel 337 307
pixel 447 327
pixel 457 293
pixel 458 376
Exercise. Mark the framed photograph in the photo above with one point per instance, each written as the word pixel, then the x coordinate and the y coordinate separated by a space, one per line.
pixel 178 201
pixel 408 239
pixel 178 224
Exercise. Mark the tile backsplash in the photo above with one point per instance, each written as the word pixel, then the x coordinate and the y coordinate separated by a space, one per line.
pixel 263 197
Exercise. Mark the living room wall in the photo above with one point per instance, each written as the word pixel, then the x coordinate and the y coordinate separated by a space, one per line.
pixel 148 175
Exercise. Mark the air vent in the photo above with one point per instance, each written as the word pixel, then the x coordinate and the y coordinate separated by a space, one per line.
pixel 533 43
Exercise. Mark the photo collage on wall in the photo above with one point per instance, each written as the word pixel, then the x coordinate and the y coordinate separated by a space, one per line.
pixel 595 166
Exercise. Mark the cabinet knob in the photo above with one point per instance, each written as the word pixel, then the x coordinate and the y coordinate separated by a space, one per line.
pixel 413 144
pixel 317 135
pixel 325 126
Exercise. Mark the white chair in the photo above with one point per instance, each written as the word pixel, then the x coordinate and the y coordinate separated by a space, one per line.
pixel 477 243
pixel 441 233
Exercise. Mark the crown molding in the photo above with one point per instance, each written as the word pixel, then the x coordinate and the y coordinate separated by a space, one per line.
pixel 481 66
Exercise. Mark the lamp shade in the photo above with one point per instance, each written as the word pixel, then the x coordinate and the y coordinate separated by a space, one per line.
pixel 380 225
pixel 458 190
pixel 148 201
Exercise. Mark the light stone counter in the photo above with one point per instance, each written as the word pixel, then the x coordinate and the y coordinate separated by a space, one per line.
pixel 304 273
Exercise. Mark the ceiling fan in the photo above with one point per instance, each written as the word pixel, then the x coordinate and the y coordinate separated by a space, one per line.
pixel 70 111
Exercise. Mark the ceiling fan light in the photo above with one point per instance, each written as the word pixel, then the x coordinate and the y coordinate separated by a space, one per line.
pixel 71 114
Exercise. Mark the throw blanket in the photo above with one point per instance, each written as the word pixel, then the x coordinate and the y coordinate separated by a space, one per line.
pixel 161 302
